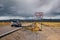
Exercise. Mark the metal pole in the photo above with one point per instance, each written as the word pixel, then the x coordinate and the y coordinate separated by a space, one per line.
pixel 41 21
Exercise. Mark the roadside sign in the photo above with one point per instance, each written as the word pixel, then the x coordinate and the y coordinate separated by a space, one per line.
pixel 39 14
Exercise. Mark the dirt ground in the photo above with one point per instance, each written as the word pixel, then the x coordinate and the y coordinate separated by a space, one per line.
pixel 47 33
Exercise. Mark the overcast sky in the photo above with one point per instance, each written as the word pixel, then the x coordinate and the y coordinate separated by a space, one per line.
pixel 27 8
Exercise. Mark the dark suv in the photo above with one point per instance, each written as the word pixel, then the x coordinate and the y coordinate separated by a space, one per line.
pixel 15 24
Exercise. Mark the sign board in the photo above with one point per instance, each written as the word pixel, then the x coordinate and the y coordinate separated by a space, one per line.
pixel 39 14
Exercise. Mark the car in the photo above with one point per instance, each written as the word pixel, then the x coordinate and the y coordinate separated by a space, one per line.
pixel 15 24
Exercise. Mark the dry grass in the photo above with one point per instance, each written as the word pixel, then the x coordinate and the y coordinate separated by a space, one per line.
pixel 4 23
pixel 51 24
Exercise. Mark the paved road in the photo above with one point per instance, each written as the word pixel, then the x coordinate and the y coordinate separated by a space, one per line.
pixel 6 29
pixel 47 33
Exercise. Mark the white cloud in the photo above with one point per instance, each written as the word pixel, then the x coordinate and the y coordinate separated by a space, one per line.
pixel 53 17
pixel 11 17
